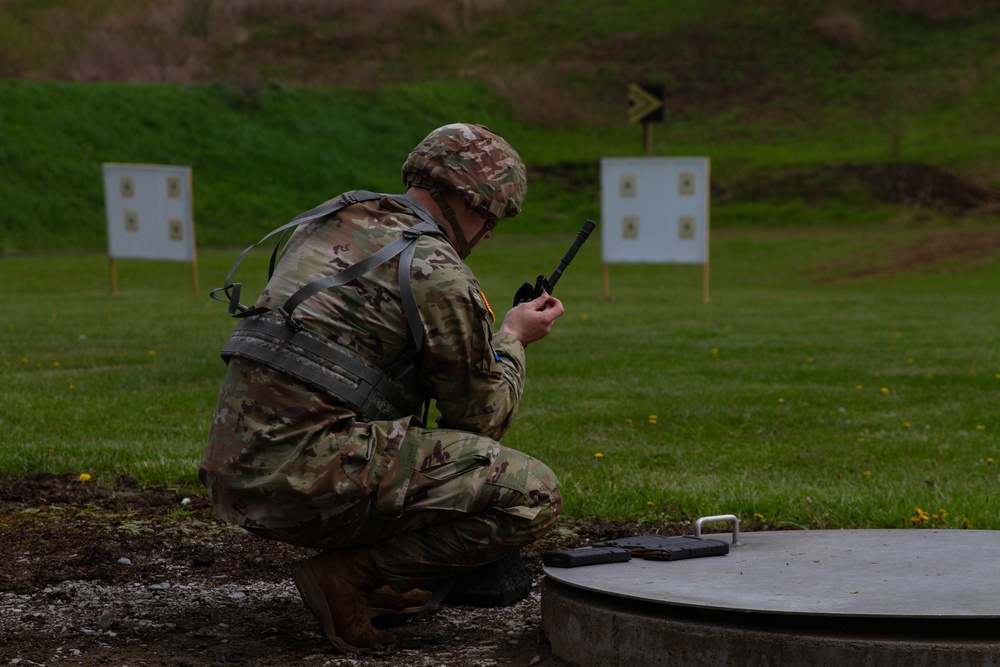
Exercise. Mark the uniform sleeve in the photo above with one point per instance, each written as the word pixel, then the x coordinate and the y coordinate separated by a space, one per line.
pixel 475 377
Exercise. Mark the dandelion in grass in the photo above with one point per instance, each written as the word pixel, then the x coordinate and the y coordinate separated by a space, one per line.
pixel 649 503
pixel 72 386
pixel 652 419
pixel 884 390
pixel 715 352
pixel 584 317
pixel 980 427
pixel 810 360
pixel 152 353
pixel 628 422
pixel 758 516
pixel 867 473
pixel 966 524
pixel 859 387
pixel 906 424
pixel 55 364
pixel 84 477
pixel 910 360
pixel 24 360
pixel 990 460
pixel 598 455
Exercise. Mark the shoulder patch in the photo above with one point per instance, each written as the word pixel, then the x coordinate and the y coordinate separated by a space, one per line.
pixel 484 306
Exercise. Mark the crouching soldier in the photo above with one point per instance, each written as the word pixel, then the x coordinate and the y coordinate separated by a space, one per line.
pixel 319 437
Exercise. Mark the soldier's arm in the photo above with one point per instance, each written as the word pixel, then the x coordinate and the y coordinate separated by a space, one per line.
pixel 475 376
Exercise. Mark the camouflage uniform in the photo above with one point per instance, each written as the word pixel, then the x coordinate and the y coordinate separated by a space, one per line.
pixel 291 463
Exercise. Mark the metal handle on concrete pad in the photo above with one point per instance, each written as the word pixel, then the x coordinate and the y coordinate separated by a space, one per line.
pixel 731 518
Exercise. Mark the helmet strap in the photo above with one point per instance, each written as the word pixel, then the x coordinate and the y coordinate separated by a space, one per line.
pixel 488 227
pixel 464 248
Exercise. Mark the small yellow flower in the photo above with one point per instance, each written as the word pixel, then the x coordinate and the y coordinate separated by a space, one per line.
pixel 966 524
pixel 990 460
pixel 758 516
pixel 598 455
pixel 980 427
pixel 628 422
pixel 809 360
pixel 584 317
pixel 55 364
pixel 72 386
pixel 867 473
pixel 84 477
pixel 652 419
pixel 152 353
pixel 649 503
pixel 942 513
pixel 24 360
pixel 910 360
pixel 884 390
pixel 906 424
pixel 715 352
pixel 859 387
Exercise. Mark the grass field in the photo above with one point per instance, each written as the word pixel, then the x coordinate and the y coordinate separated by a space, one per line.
pixel 799 395
pixel 845 372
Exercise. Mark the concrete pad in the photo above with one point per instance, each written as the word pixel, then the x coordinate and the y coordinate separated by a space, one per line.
pixel 890 573
pixel 853 597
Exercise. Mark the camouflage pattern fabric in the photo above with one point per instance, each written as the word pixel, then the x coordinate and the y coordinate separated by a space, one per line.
pixel 290 463
pixel 475 162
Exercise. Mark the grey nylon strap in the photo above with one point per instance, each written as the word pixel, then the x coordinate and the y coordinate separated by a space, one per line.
pixel 405 244
pixel 233 290
pixel 300 353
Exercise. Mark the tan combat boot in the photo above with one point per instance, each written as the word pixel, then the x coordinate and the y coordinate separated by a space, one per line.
pixel 334 585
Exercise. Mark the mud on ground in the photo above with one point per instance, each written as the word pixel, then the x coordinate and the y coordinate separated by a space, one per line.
pixel 111 574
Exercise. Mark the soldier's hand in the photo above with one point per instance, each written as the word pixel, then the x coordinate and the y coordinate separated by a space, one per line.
pixel 532 320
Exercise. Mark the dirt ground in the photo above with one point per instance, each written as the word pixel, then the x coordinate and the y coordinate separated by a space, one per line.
pixel 101 573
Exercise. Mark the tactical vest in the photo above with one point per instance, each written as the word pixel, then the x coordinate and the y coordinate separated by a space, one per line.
pixel 276 338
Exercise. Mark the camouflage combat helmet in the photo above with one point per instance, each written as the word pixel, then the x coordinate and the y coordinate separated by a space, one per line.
pixel 473 161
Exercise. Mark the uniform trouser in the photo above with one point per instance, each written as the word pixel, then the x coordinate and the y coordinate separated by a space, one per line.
pixel 466 501
pixel 469 502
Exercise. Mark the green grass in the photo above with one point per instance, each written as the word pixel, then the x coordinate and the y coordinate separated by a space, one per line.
pixel 799 395
pixel 842 403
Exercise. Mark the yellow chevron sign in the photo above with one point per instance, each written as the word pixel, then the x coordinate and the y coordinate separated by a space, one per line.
pixel 645 103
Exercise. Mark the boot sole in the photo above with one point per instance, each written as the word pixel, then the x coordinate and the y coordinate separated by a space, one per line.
pixel 313 596
pixel 406 611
